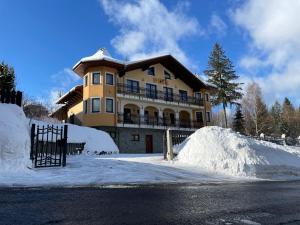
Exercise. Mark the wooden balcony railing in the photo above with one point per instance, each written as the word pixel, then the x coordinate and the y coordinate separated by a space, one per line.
pixel 159 95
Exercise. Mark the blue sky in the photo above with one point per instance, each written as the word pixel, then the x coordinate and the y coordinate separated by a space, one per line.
pixel 44 39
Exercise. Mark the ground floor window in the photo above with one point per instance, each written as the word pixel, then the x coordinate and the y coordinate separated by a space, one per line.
pixel 208 116
pixel 199 117
pixel 135 137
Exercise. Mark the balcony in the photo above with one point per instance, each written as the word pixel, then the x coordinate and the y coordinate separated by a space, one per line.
pixel 156 122
pixel 144 93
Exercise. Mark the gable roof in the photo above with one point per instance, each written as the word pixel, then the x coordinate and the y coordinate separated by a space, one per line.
pixel 103 58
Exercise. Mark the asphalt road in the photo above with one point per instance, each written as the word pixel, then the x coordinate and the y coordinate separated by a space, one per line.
pixel 182 204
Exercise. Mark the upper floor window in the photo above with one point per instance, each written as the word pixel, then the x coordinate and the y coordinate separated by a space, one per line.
pixel 151 91
pixel 109 79
pixel 167 75
pixel 198 95
pixel 86 80
pixel 183 95
pixel 96 78
pixel 168 94
pixel 151 71
pixel 95 105
pixel 132 86
pixel 206 96
pixel 109 105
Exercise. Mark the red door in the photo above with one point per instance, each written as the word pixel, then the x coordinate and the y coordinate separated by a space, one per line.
pixel 149 144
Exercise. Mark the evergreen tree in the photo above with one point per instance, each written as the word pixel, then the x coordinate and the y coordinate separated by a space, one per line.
pixel 7 76
pixel 276 116
pixel 288 118
pixel 221 73
pixel 239 121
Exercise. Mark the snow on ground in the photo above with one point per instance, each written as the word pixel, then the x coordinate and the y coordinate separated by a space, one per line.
pixel 223 151
pixel 94 170
pixel 14 139
pixel 96 140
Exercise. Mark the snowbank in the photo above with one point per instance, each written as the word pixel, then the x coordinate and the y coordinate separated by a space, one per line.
pixel 224 151
pixel 14 139
pixel 96 140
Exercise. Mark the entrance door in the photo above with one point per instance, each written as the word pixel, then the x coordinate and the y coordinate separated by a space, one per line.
pixel 149 144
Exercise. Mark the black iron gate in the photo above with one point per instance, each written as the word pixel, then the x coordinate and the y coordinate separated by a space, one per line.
pixel 48 145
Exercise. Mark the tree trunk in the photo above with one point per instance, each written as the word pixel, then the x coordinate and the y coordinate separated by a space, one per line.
pixel 224 109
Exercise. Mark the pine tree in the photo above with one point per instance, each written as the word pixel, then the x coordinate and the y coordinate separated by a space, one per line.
pixel 276 116
pixel 221 73
pixel 7 76
pixel 239 121
pixel 288 118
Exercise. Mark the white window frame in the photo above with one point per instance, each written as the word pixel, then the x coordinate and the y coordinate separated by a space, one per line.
pixel 165 70
pixel 113 104
pixel 91 104
pixel 153 70
pixel 85 80
pixel 100 78
pixel 113 78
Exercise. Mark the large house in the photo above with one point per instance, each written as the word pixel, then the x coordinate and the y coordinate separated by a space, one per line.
pixel 136 101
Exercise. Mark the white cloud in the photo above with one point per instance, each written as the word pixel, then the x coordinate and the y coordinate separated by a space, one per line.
pixel 217 25
pixel 148 28
pixel 274 32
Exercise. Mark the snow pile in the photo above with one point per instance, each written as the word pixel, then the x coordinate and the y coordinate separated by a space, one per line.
pixel 224 151
pixel 96 141
pixel 14 139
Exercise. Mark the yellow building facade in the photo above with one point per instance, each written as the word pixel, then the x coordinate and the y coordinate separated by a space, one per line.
pixel 137 101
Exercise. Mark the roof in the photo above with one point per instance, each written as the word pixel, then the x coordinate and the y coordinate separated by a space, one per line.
pixel 103 58
pixel 72 97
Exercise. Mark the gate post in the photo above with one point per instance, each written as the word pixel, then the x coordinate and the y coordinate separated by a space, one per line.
pixel 32 140
pixel 64 159
pixel 170 155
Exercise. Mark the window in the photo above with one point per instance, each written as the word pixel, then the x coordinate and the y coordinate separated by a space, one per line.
pixel 135 137
pixel 208 116
pixel 132 86
pixel 95 105
pixel 198 95
pixel 168 94
pixel 183 96
pixel 151 71
pixel 85 106
pixel 109 105
pixel 151 91
pixel 167 75
pixel 96 78
pixel 206 96
pixel 109 79
pixel 86 80
pixel 199 117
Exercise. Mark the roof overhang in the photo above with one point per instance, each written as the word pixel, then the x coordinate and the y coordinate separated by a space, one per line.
pixel 173 65
pixel 81 67
pixel 71 98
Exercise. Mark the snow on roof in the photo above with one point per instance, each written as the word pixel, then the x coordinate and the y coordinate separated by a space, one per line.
pixel 101 54
pixel 72 89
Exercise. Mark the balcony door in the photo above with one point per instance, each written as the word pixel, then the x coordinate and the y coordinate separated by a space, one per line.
pixel 168 94
pixel 151 91
pixel 127 115
pixel 132 86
